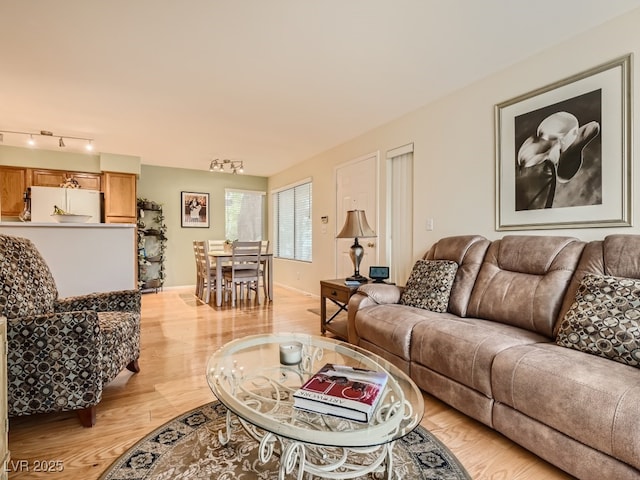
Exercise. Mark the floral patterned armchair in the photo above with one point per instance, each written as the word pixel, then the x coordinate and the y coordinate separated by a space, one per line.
pixel 61 351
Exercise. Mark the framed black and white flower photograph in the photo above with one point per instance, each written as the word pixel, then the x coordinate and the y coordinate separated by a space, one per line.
pixel 563 153
pixel 195 209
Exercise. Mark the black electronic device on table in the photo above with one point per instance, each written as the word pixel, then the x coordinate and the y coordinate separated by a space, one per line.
pixel 378 274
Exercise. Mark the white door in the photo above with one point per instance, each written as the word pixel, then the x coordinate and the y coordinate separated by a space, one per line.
pixel 357 189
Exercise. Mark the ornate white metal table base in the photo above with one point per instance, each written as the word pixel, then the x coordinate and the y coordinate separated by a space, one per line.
pixel 248 378
pixel 316 460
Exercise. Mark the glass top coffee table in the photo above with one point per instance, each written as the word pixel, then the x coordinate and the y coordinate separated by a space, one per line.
pixel 248 378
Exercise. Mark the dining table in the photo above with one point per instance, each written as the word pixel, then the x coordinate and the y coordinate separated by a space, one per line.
pixel 222 257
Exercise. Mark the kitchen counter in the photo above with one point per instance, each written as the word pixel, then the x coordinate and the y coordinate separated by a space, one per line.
pixel 84 257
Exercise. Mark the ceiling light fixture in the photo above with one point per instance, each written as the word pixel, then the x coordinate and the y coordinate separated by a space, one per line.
pixel 44 133
pixel 232 166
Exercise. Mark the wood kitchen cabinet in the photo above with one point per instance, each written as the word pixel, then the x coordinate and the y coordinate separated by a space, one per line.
pixel 119 189
pixel 54 178
pixel 120 197
pixel 13 183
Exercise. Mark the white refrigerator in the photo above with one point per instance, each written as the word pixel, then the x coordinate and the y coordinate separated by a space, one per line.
pixel 71 200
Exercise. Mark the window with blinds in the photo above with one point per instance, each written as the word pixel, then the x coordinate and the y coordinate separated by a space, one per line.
pixel 243 212
pixel 292 218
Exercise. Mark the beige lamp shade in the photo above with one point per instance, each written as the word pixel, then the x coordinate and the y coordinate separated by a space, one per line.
pixel 356 226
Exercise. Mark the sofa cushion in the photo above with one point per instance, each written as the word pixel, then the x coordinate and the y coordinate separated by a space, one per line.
pixel 429 285
pixel 605 319
pixel 588 398
pixel 463 349
pixel 120 341
pixel 523 280
pixel 390 326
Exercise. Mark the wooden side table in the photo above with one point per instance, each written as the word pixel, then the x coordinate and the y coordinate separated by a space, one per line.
pixel 338 293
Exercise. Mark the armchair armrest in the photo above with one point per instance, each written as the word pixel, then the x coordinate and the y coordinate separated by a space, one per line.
pixel 116 301
pixel 367 295
pixel 54 362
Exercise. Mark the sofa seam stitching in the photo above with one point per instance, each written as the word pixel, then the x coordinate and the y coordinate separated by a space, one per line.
pixel 473 367
pixel 615 417
pixel 513 377
pixel 531 307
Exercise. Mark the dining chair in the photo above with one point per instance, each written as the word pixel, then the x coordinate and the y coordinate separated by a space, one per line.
pixel 199 271
pixel 216 245
pixel 206 280
pixel 244 270
pixel 264 249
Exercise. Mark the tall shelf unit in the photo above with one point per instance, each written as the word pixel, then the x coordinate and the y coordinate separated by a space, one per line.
pixel 152 241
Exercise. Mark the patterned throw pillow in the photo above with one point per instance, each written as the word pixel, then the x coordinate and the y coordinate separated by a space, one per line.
pixel 605 319
pixel 429 285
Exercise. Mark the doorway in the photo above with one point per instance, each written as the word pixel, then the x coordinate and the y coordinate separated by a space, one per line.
pixel 357 189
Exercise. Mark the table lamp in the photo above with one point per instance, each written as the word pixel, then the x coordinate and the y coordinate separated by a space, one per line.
pixel 356 226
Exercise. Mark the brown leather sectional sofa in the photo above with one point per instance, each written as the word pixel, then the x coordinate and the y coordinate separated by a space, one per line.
pixel 493 354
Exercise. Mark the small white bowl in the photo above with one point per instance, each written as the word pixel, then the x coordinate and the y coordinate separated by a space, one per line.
pixel 70 218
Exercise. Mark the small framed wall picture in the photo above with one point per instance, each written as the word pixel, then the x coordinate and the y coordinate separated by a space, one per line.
pixel 194 209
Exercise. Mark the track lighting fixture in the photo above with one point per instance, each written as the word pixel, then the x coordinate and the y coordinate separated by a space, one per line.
pixel 44 133
pixel 232 166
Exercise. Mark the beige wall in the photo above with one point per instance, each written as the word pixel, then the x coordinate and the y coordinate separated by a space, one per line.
pixel 454 163
pixel 163 185
pixel 61 160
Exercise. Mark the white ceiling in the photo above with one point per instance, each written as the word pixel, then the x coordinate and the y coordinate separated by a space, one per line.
pixel 269 82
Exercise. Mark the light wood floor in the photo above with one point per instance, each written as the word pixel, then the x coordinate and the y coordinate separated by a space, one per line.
pixel 178 335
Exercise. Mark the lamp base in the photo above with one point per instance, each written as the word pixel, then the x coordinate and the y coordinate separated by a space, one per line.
pixel 357 278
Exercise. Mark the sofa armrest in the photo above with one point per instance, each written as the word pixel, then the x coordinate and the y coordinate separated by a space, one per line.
pixel 367 295
pixel 381 293
pixel 116 301
pixel 54 362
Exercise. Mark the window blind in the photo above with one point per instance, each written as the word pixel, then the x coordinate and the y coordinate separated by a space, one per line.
pixel 292 213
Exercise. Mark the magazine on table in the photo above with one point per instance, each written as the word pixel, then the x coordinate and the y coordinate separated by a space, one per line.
pixel 342 391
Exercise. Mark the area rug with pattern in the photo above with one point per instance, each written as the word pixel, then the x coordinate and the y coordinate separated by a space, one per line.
pixel 187 447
